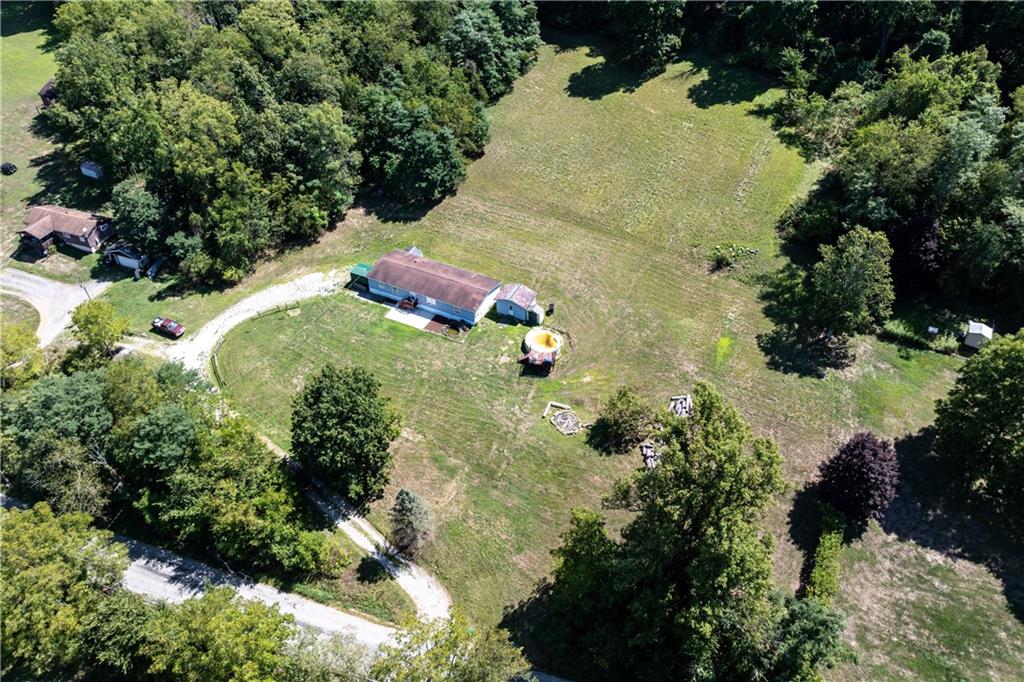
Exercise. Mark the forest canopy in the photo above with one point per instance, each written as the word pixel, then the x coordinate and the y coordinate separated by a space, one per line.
pixel 232 128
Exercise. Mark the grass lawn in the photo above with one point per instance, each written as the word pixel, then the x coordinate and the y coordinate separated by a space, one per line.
pixel 45 173
pixel 607 195
pixel 14 310
pixel 364 586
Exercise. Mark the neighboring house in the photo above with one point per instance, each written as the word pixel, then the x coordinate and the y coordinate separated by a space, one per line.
pixel 438 288
pixel 48 93
pixel 978 334
pixel 46 224
pixel 519 301
pixel 126 255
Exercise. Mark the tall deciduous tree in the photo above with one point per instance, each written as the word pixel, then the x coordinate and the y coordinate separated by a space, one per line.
pixel 860 480
pixel 852 284
pixel 218 637
pixel 98 327
pixel 450 649
pixel 981 424
pixel 56 571
pixel 341 429
pixel 21 359
pixel 687 590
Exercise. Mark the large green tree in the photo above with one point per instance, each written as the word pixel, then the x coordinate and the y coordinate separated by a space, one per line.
pixel 98 327
pixel 21 359
pixel 981 424
pixel 851 284
pixel 218 637
pixel 55 573
pixel 341 430
pixel 687 592
pixel 450 649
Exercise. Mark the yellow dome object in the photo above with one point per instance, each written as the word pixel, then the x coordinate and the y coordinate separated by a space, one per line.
pixel 544 340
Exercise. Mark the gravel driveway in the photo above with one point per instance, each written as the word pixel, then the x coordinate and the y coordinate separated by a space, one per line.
pixel 194 350
pixel 55 301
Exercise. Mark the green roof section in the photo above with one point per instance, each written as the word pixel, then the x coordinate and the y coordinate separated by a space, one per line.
pixel 361 269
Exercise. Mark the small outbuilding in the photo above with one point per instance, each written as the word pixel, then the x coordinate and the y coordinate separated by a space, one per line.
pixel 48 93
pixel 91 169
pixel 126 255
pixel 519 301
pixel 978 334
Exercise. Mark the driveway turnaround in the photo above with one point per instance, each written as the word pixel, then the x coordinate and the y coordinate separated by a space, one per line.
pixel 55 301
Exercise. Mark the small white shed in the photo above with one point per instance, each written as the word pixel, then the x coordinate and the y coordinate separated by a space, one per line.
pixel 978 334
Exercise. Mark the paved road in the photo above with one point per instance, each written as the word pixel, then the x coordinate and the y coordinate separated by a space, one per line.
pixel 160 574
pixel 54 300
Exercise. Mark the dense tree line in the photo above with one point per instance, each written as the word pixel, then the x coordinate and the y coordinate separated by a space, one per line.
pixel 67 617
pixel 837 41
pixel 127 437
pixel 687 591
pixel 233 127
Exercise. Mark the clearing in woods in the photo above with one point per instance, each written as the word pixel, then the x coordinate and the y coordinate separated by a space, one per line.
pixel 607 194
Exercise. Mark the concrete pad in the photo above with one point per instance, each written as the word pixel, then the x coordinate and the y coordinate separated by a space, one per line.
pixel 413 318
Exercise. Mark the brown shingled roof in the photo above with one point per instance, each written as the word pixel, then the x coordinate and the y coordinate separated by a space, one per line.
pixel 520 294
pixel 43 220
pixel 455 286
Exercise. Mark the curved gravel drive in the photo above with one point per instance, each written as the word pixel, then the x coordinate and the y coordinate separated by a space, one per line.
pixel 55 301
pixel 194 350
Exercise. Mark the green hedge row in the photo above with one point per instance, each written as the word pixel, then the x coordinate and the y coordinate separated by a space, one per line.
pixel 823 583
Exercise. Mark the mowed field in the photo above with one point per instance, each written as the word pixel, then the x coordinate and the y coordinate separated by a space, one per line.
pixel 607 195
pixel 45 172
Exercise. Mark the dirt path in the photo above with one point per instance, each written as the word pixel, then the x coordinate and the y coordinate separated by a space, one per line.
pixel 55 301
pixel 194 350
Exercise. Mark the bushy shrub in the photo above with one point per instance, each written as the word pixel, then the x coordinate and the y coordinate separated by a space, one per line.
pixel 627 419
pixel 729 254
pixel 823 583
pixel 947 343
pixel 860 479
pixel 900 332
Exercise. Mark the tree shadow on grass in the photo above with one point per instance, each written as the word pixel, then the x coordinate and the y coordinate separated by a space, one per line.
pixel 25 17
pixel 722 84
pixel 795 346
pixel 933 510
pixel 597 81
pixel 371 571
pixel 64 185
pixel 389 210
pixel 530 628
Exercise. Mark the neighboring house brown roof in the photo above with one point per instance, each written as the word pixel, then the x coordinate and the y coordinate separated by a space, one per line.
pixel 455 286
pixel 44 220
pixel 520 294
